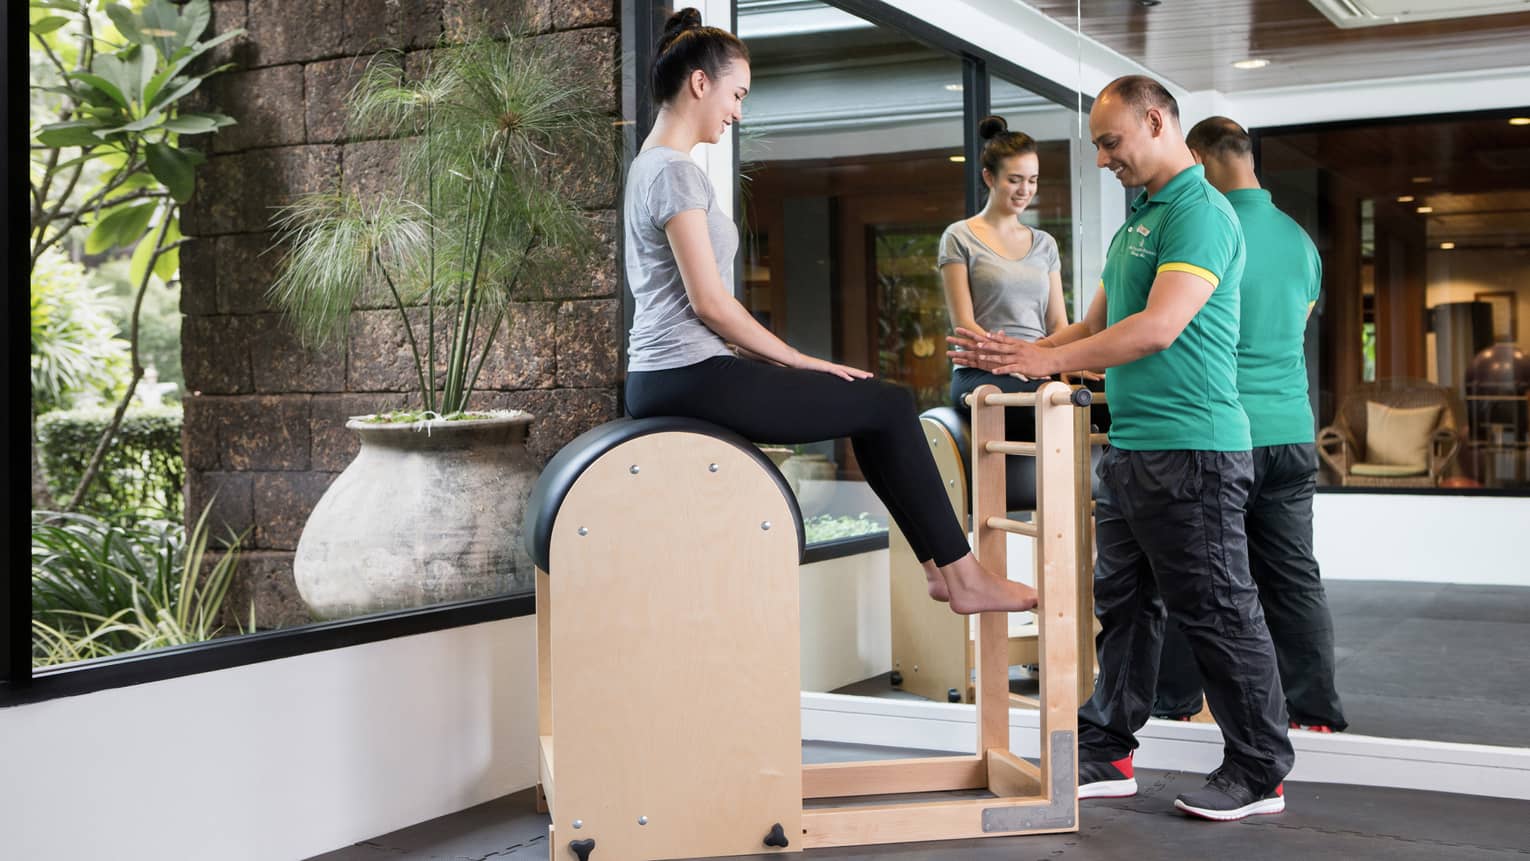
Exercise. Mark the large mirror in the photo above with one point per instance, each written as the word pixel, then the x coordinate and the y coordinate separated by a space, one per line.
pixel 851 167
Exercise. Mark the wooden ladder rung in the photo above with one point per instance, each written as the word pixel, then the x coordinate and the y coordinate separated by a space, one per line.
pixel 1027 449
pixel 1018 527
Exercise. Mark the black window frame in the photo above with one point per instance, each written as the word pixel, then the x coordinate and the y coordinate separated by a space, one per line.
pixel 638 21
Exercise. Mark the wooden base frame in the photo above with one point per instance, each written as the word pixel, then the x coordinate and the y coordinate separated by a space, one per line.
pixel 668 666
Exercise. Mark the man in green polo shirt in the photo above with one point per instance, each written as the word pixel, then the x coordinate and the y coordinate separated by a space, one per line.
pixel 1280 285
pixel 1169 518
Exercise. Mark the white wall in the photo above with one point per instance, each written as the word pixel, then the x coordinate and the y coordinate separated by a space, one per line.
pixel 1477 540
pixel 280 760
pixel 846 621
pixel 1390 97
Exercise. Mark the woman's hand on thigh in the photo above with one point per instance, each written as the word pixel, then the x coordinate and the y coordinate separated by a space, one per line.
pixel 844 372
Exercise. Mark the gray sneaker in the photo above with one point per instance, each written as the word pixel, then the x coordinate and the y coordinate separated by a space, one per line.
pixel 1226 801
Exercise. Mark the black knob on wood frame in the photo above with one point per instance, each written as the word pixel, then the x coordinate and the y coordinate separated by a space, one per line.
pixel 777 837
pixel 582 848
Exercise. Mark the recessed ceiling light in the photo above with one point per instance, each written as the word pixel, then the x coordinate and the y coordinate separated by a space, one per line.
pixel 1406 198
pixel 957 158
pixel 1425 210
pixel 1519 121
pixel 1446 246
pixel 955 88
pixel 1423 179
pixel 1251 63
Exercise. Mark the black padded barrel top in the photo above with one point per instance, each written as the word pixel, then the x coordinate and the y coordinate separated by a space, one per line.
pixel 1019 472
pixel 568 464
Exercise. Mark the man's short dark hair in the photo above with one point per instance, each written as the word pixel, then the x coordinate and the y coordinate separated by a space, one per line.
pixel 1220 137
pixel 1142 93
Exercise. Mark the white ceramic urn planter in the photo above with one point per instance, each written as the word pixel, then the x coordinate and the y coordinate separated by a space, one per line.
pixel 425 514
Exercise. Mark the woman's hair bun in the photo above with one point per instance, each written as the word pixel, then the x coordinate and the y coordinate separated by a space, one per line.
pixel 991 127
pixel 688 18
pixel 685 46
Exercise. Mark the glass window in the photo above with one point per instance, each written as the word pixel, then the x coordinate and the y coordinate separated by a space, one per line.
pixel 193 418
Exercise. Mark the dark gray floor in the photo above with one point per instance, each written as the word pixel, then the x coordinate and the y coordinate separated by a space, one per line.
pixel 1434 661
pixel 1322 821
pixel 1429 661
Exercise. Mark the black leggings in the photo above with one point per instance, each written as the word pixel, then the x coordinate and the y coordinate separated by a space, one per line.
pixel 768 403
pixel 1019 422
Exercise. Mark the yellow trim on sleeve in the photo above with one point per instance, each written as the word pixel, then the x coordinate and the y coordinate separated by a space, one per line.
pixel 1191 268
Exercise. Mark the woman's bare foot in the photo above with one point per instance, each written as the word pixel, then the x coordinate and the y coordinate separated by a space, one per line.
pixel 935 582
pixel 972 589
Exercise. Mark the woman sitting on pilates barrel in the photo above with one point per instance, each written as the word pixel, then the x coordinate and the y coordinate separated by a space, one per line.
pixel 1001 276
pixel 679 260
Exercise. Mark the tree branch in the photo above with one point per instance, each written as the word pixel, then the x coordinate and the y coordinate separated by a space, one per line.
pixel 141 194
pixel 93 202
pixel 110 432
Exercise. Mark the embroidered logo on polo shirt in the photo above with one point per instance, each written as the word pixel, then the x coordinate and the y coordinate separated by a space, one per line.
pixel 1143 229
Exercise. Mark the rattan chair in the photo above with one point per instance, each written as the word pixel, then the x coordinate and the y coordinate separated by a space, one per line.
pixel 1342 444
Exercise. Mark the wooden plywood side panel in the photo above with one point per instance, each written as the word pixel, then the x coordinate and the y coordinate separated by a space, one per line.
pixel 927 638
pixel 675 653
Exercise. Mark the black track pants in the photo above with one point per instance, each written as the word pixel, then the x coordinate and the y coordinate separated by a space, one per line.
pixel 1171 542
pixel 1281 560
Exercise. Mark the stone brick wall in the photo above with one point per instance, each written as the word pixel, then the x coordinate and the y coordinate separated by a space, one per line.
pixel 264 427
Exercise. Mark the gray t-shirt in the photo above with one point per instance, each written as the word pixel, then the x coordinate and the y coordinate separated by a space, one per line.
pixel 1007 294
pixel 666 333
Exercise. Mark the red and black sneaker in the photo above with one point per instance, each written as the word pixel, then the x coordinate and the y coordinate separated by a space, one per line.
pixel 1312 727
pixel 1107 779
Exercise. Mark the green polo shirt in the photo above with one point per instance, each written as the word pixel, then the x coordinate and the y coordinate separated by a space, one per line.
pixel 1280 283
pixel 1184 397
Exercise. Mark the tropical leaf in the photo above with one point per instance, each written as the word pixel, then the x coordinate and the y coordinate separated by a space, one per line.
pixel 197 124
pixel 103 86
pixel 122 72
pixel 44 26
pixel 149 121
pixel 167 263
pixel 80 133
pixel 173 168
pixel 119 227
pixel 126 22
pixel 173 27
pixel 180 61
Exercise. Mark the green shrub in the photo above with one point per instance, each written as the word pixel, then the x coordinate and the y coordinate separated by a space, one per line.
pixel 102 588
pixel 76 354
pixel 141 473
